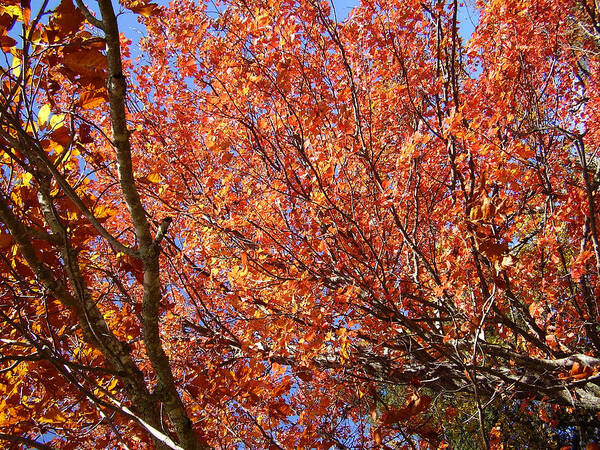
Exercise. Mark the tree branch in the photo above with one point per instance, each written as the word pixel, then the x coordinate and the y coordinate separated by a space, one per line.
pixel 149 250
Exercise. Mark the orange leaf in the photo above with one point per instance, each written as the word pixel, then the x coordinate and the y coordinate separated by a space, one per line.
pixel 86 62
pixel 487 208
pixel 143 7
pixel 377 437
pixel 585 373
pixel 414 406
pixel 578 268
pixel 66 19
pixel 92 99
pixel 373 412
pixel 493 250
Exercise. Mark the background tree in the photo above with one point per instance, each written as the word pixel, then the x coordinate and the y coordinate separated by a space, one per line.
pixel 252 233
pixel 512 424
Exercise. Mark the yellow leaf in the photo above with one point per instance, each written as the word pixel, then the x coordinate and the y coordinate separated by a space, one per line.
pixel 475 213
pixel 344 350
pixel 26 177
pixel 16 66
pixel 56 119
pixel 44 114
pixel 112 384
pixel 154 178
pixel 31 127
pixel 12 10
pixel 57 148
pixel 262 20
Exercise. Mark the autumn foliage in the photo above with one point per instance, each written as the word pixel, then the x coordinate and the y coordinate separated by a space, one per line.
pixel 262 223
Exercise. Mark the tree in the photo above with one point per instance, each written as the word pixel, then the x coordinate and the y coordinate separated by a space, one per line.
pixel 255 232
pixel 512 424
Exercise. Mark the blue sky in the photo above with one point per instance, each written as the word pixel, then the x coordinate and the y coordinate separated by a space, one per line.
pixel 343 7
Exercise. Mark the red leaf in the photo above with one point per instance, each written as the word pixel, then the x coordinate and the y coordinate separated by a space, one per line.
pixel 61 136
pixel 6 42
pixel 6 241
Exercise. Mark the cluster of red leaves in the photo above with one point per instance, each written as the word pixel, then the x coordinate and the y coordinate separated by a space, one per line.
pixel 354 204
